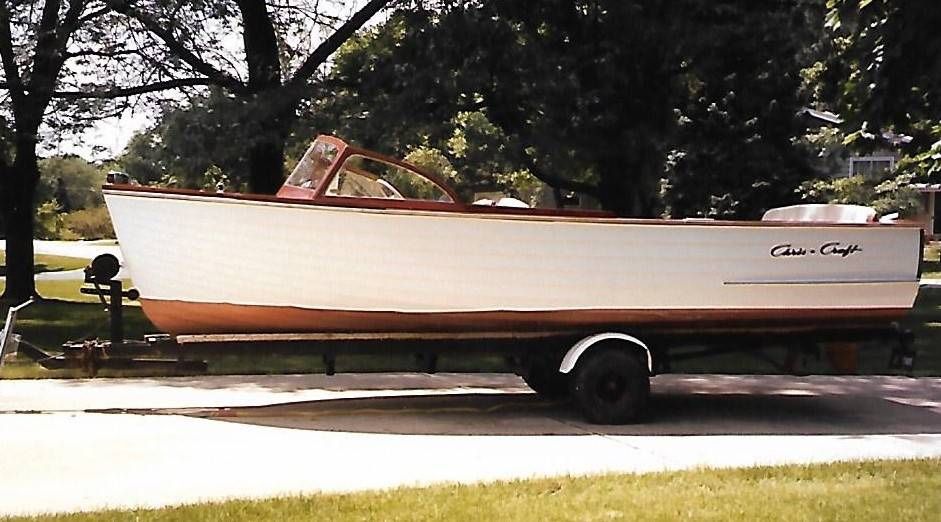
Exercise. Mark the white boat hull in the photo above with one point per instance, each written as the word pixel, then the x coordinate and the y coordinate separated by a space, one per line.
pixel 210 264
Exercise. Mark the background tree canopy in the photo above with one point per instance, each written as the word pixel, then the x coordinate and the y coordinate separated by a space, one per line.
pixel 688 107
pixel 884 73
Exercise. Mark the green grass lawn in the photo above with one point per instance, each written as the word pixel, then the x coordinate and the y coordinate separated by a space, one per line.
pixel 48 263
pixel 857 491
pixel 67 290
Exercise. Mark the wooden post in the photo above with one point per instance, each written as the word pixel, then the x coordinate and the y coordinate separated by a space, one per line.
pixel 931 206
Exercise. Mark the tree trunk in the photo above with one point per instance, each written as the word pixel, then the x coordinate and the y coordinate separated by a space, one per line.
pixel 266 161
pixel 270 119
pixel 17 200
pixel 268 123
pixel 630 178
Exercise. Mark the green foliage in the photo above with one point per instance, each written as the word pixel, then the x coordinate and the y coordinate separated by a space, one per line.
pixel 589 97
pixel 488 160
pixel 477 158
pixel 215 177
pixel 883 74
pixel 90 223
pixel 49 222
pixel 143 157
pixel 893 193
pixel 208 136
pixel 925 164
pixel 887 70
pixel 501 77
pixel 72 204
pixel 81 182
pixel 736 153
pixel 433 161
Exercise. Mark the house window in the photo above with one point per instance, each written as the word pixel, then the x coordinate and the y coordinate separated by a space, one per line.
pixel 871 166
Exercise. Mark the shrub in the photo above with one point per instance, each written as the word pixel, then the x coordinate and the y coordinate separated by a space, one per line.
pixel 893 193
pixel 91 223
pixel 48 224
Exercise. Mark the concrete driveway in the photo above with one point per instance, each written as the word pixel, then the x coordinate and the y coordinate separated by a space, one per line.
pixel 89 444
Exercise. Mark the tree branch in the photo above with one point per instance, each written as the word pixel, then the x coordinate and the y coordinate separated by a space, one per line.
pixel 333 42
pixel 124 92
pixel 52 38
pixel 70 22
pixel 261 46
pixel 177 47
pixel 557 181
pixel 103 54
pixel 8 58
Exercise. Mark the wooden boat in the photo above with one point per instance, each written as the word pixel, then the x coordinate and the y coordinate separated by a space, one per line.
pixel 359 242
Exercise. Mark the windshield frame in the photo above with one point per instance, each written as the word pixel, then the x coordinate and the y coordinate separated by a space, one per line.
pixel 445 196
pixel 288 190
pixel 348 151
pixel 344 152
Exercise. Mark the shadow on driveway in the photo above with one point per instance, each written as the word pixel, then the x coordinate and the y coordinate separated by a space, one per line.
pixel 527 414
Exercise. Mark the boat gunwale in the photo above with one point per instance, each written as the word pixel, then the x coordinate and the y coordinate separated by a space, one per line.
pixel 478 211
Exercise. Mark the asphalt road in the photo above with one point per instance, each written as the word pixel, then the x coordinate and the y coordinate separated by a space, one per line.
pixel 89 444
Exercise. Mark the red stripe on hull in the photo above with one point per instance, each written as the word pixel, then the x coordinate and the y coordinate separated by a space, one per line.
pixel 178 318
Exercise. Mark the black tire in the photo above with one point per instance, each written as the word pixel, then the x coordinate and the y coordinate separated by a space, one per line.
pixel 543 376
pixel 611 386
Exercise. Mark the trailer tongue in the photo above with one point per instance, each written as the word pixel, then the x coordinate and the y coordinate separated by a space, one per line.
pixel 154 352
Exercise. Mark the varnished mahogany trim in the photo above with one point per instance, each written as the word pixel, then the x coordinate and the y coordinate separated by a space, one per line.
pixel 367 203
pixel 347 151
pixel 179 317
pixel 459 208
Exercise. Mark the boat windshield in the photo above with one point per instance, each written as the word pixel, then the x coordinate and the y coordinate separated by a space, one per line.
pixel 312 168
pixel 365 177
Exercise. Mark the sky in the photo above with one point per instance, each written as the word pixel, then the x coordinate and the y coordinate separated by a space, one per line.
pixel 109 136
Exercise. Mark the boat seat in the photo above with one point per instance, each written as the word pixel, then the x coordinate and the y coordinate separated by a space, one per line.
pixel 502 202
pixel 822 213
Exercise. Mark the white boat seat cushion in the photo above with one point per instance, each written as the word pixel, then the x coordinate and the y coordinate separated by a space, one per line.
pixel 822 213
pixel 502 202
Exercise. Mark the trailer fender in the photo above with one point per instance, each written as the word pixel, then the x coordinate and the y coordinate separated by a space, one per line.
pixel 571 357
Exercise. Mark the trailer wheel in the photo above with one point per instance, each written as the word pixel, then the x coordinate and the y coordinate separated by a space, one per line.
pixel 611 386
pixel 543 376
